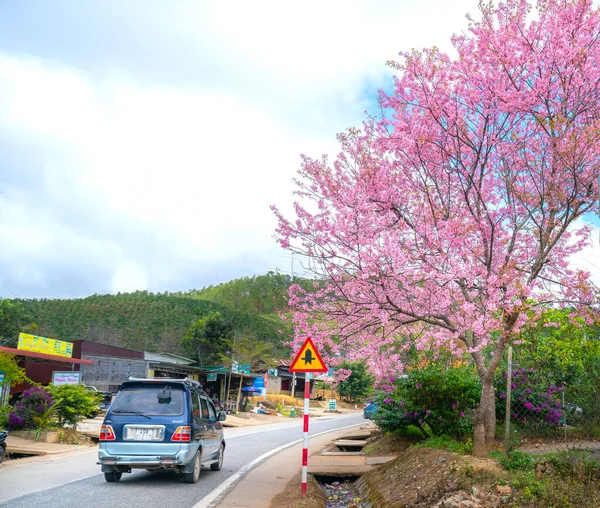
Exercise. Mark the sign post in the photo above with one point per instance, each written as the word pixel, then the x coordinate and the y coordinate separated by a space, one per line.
pixel 307 360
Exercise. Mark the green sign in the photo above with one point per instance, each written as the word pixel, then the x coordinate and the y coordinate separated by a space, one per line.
pixel 244 368
pixel 272 372
pixel 332 405
pixel 211 377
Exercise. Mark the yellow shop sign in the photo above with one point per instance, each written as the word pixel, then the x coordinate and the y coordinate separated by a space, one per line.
pixel 37 344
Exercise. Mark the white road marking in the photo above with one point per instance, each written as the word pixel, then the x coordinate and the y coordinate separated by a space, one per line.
pixel 212 498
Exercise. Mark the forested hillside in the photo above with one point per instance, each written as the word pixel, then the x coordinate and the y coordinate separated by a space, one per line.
pixel 157 322
pixel 261 294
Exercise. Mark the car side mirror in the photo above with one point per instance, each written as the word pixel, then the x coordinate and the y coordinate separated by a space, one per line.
pixel 221 416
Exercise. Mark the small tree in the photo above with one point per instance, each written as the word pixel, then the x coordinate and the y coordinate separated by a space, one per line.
pixel 359 384
pixel 206 340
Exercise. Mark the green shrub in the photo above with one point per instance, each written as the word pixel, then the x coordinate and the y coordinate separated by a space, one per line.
pixel 530 488
pixel 436 399
pixel 75 403
pixel 575 465
pixel 34 402
pixel 517 460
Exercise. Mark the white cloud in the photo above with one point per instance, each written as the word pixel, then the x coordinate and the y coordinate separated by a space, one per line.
pixel 164 185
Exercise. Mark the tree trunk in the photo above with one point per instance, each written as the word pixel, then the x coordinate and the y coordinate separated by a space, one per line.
pixel 484 419
pixel 479 443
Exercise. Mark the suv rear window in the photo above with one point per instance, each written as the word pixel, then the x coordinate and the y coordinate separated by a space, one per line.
pixel 145 400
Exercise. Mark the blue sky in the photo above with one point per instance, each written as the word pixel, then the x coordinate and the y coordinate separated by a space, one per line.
pixel 143 141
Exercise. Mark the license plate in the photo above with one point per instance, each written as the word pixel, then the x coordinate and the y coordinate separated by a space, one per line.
pixel 143 434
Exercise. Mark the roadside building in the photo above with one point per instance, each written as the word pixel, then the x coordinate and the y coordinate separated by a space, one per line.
pixel 173 366
pixel 39 367
pixel 288 383
pixel 110 365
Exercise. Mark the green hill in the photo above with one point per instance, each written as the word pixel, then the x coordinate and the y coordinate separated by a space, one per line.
pixel 157 321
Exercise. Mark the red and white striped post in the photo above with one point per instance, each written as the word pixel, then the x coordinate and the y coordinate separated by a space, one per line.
pixel 308 360
pixel 306 417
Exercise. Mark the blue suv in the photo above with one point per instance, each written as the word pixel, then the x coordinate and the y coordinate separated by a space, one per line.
pixel 161 423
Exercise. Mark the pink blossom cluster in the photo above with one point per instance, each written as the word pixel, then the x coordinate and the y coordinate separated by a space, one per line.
pixel 453 216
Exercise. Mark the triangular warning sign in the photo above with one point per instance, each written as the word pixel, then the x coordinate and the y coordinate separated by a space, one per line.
pixel 308 359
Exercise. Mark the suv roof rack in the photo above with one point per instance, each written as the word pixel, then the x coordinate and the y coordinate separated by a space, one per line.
pixel 190 382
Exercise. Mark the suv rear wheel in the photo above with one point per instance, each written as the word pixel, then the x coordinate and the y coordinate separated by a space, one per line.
pixel 113 476
pixel 194 476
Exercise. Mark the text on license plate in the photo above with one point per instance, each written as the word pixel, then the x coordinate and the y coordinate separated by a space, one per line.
pixel 143 434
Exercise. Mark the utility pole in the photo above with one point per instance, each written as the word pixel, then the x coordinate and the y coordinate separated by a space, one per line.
pixel 231 370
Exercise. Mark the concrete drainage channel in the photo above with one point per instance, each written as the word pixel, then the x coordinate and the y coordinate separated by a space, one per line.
pixel 341 492
pixel 339 467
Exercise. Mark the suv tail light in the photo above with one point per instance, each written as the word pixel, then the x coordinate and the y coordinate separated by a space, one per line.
pixel 182 434
pixel 107 433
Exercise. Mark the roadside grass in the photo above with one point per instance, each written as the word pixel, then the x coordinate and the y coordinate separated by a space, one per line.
pixel 393 442
pixel 447 443
pixel 554 479
pixel 566 478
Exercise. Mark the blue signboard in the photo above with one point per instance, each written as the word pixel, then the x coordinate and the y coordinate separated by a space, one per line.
pixel 1 377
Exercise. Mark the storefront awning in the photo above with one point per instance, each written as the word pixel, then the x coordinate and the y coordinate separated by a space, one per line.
pixel 44 356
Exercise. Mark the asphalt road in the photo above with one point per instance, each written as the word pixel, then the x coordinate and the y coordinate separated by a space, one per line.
pixel 75 481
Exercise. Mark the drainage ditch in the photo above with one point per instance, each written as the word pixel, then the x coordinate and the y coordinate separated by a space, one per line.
pixel 344 490
pixel 341 492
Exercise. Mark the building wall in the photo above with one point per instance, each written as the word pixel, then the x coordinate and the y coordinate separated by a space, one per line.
pixel 274 385
pixel 108 373
pixel 40 372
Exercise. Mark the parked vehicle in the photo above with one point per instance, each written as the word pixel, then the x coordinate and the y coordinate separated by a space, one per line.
pixel 370 410
pixel 161 423
pixel 3 436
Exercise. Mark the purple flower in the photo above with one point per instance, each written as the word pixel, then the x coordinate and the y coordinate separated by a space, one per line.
pixel 439 418
pixel 453 406
pixel 391 380
pixel 462 414
pixel 502 395
pixel 418 385
pixel 416 414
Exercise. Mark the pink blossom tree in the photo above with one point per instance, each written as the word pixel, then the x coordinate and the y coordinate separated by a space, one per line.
pixel 451 219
